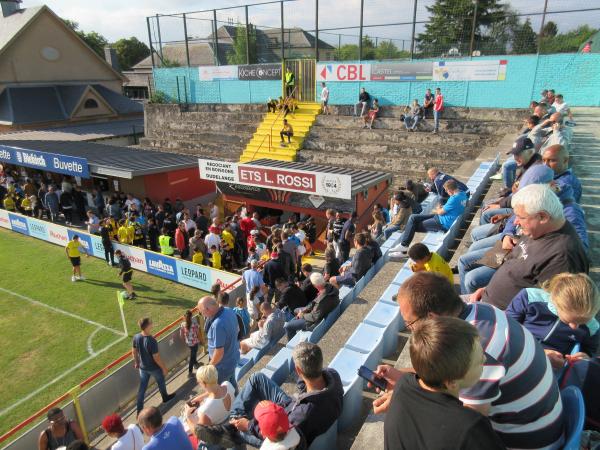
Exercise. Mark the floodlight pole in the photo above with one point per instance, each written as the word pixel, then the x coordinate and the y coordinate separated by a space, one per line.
pixel 150 40
pixel 159 37
pixel 282 34
pixel 247 37
pixel 414 24
pixel 216 38
pixel 360 33
pixel 473 27
pixel 317 30
pixel 543 24
pixel 187 48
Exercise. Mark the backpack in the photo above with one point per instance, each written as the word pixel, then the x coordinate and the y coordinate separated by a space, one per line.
pixel 585 374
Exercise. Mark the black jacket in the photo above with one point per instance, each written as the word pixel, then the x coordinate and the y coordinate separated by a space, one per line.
pixel 292 297
pixel 273 269
pixel 361 262
pixel 313 413
pixel 318 309
pixel 310 292
pixel 364 97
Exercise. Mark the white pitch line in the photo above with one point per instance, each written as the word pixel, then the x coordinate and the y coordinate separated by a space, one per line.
pixel 90 349
pixel 64 374
pixel 62 311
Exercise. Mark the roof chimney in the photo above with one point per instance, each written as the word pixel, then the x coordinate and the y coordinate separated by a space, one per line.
pixel 9 7
pixel 110 55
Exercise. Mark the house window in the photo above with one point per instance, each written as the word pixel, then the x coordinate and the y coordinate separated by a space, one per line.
pixel 90 103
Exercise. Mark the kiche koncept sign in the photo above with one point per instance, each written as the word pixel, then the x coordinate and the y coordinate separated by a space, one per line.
pixel 307 182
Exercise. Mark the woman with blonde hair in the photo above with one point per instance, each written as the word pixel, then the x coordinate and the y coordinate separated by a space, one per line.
pixel 560 315
pixel 211 407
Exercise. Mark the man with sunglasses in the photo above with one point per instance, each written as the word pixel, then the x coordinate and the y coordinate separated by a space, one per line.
pixel 60 433
pixel 516 389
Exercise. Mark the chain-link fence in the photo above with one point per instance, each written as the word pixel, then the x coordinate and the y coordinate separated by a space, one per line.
pixel 372 30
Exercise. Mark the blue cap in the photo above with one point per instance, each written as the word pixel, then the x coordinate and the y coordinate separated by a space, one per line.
pixel 536 174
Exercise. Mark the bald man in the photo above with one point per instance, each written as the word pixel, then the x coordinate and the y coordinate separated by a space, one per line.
pixel 221 329
pixel 438 179
pixel 557 158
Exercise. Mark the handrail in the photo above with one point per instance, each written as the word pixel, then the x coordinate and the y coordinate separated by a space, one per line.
pixel 270 135
pixel 100 372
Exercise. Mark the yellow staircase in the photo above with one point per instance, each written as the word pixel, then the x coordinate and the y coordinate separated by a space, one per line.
pixel 260 146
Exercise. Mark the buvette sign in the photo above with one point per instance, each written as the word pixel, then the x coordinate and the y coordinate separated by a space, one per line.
pixel 50 162
pixel 326 184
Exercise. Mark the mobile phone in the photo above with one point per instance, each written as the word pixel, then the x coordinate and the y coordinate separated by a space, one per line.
pixel 369 375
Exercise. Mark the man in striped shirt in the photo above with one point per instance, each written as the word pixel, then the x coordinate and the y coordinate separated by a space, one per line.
pixel 517 389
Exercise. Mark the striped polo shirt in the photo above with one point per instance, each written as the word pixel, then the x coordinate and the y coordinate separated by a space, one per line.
pixel 517 379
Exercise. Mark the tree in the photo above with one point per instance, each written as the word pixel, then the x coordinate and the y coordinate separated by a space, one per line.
pixel 93 39
pixel 130 52
pixel 566 42
pixel 525 39
pixel 450 25
pixel 549 30
pixel 347 52
pixel 388 50
pixel 238 54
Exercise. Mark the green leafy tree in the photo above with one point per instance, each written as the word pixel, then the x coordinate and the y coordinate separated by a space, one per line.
pixel 347 52
pixel 130 51
pixel 388 50
pixel 525 39
pixel 238 53
pixel 550 29
pixel 93 39
pixel 166 62
pixel 566 42
pixel 450 25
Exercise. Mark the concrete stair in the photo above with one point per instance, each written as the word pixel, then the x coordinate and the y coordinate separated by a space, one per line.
pixel 265 142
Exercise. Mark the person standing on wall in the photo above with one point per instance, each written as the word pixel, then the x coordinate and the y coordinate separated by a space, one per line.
pixel 190 333
pixel 438 107
pixel 126 272
pixel 147 359
pixel 325 99
pixel 290 82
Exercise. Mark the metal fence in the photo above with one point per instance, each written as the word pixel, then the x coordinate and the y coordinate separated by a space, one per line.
pixel 370 30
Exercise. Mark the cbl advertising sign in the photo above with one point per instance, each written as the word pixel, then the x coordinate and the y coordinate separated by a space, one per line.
pixel 293 180
pixel 51 162
pixel 343 72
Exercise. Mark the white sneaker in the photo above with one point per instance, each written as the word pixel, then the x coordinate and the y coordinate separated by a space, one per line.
pixel 399 249
pixel 73 278
pixel 397 256
pixel 82 277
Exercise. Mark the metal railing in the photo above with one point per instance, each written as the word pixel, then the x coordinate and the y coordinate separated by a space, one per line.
pixel 270 135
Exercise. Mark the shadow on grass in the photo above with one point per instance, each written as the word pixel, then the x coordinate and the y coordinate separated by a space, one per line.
pixel 117 285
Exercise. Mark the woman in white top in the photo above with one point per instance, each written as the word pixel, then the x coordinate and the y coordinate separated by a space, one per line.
pixel 212 407
pixel 129 438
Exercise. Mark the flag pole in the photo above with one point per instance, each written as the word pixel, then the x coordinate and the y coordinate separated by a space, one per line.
pixel 121 303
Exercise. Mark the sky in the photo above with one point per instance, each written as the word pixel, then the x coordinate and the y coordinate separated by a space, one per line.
pixel 117 18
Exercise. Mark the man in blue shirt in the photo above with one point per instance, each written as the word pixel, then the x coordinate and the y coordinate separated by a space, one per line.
pixel 441 220
pixel 168 436
pixel 557 158
pixel 221 329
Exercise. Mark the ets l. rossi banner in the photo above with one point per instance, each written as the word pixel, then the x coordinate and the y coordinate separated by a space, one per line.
pixel 307 182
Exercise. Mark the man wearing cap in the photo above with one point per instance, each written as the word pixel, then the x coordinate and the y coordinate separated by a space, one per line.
pixel 525 156
pixel 275 427
pixel 315 409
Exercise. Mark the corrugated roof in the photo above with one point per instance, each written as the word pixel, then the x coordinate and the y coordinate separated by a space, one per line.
pixel 112 160
pixel 361 179
pixel 81 132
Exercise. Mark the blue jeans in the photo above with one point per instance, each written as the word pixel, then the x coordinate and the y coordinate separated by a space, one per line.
pixel 144 380
pixel 410 122
pixel 486 216
pixel 482 231
pixel 419 222
pixel 485 243
pixel 436 119
pixel 259 387
pixel 389 230
pixel 509 172
pixel 293 326
pixel 228 376
pixel 473 275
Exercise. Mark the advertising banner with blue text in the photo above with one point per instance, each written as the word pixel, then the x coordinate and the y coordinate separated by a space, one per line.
pixel 161 265
pixel 4 219
pixel 18 223
pixel 50 162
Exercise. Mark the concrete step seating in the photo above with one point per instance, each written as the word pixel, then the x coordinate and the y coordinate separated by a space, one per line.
pixel 265 143
pixel 451 112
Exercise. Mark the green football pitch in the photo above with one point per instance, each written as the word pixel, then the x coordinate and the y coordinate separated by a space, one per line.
pixel 55 333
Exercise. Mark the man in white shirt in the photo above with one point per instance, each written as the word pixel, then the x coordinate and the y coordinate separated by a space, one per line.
pixel 93 223
pixel 213 238
pixel 561 107
pixel 325 99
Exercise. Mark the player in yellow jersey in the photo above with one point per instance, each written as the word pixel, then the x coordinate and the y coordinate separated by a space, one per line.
pixel 73 252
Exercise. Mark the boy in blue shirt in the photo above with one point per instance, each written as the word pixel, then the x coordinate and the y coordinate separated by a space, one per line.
pixel 561 315
pixel 441 220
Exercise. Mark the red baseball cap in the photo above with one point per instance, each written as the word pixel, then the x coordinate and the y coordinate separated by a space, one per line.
pixel 272 420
